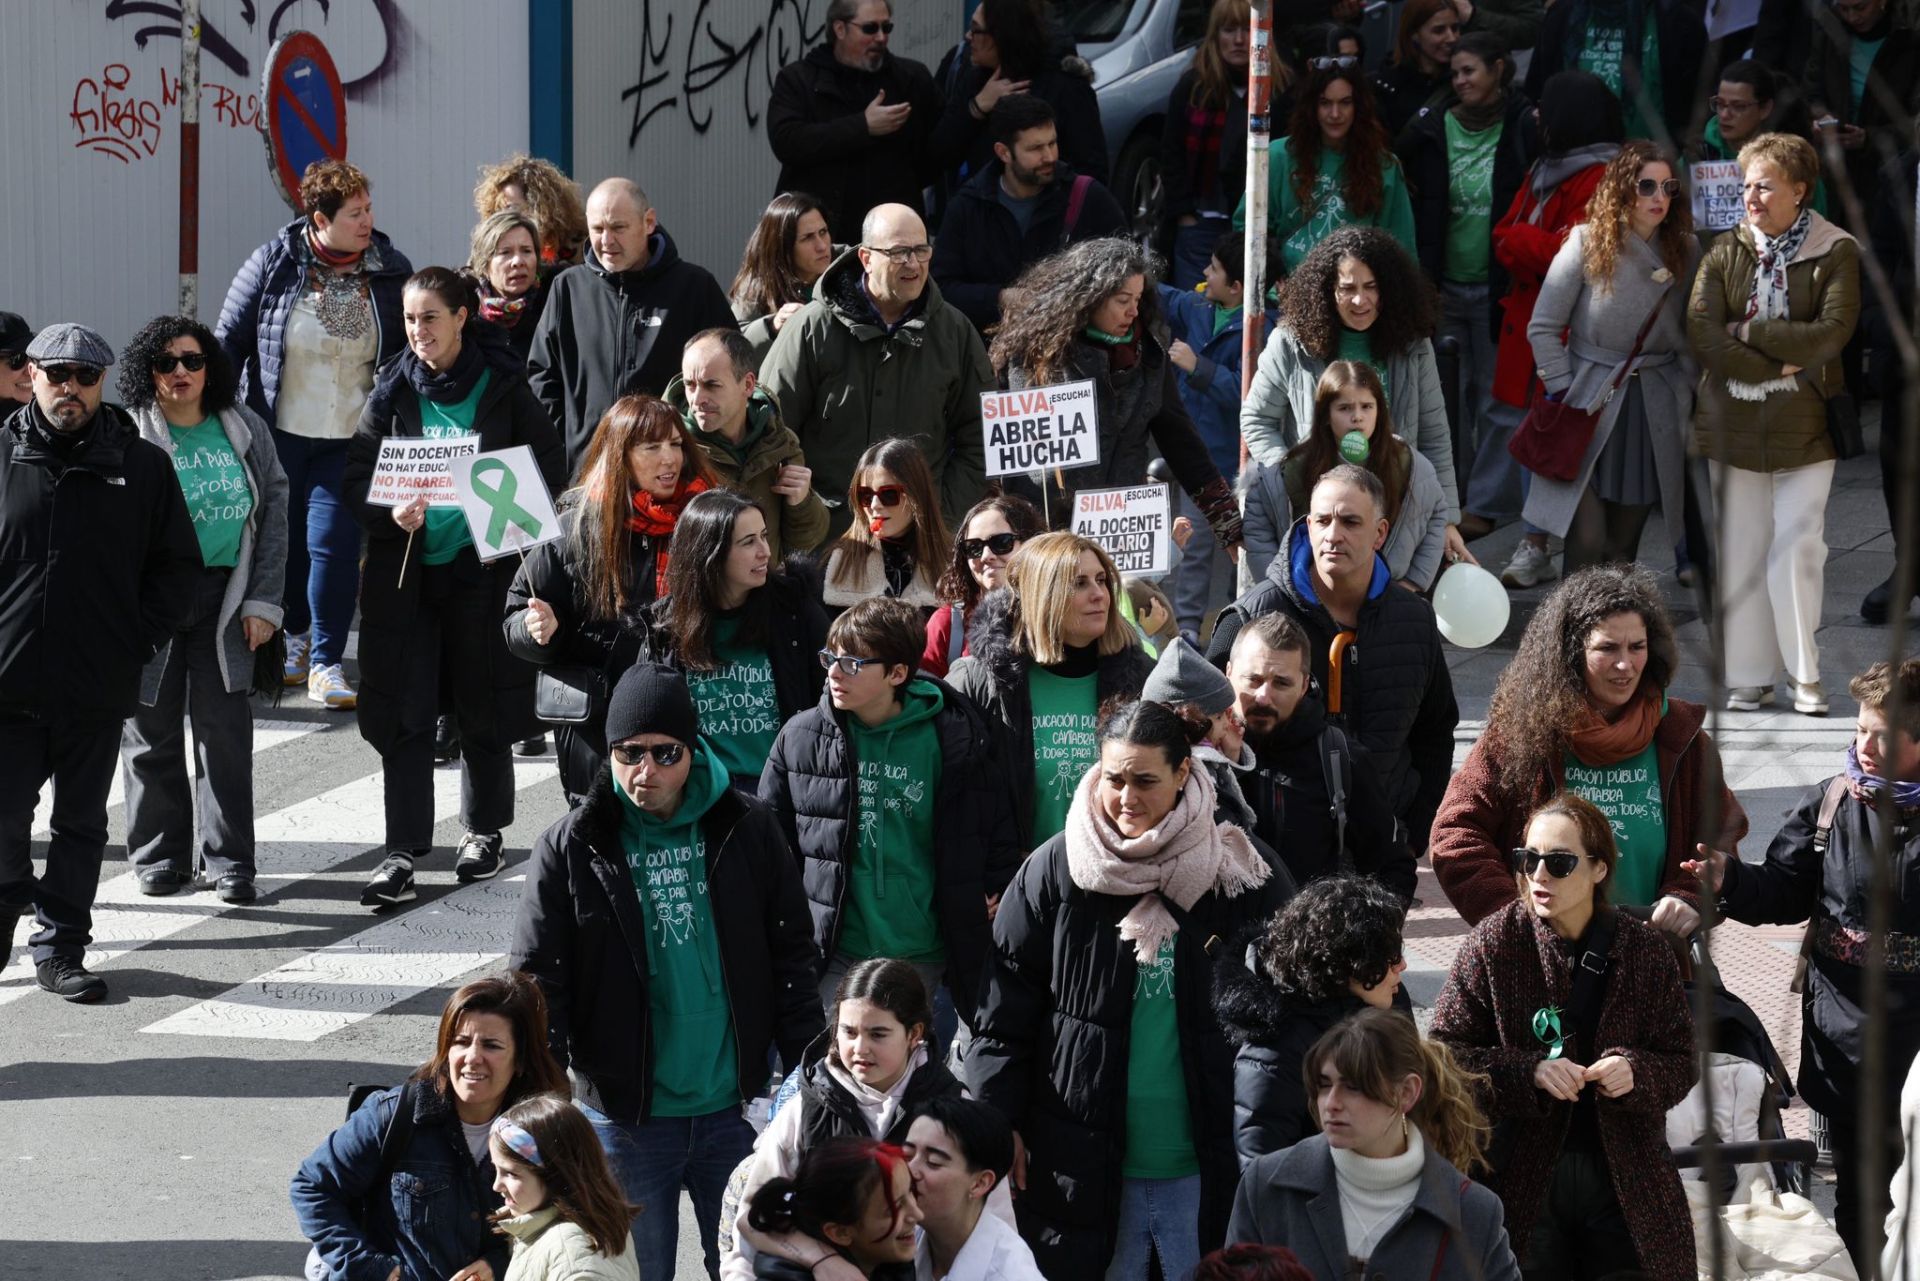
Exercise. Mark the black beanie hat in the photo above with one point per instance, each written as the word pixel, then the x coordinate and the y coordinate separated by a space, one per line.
pixel 652 699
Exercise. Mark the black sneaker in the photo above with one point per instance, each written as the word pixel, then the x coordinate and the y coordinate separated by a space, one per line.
pixel 157 882
pixel 479 857
pixel 446 740
pixel 392 882
pixel 68 979
pixel 535 746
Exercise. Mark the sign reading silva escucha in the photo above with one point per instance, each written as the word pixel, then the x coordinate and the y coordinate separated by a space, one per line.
pixel 1134 524
pixel 1040 428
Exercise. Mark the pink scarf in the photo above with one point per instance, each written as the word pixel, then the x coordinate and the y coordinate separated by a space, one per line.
pixel 1186 856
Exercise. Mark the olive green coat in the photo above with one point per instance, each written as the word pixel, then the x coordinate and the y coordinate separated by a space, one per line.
pixel 1788 428
pixel 770 445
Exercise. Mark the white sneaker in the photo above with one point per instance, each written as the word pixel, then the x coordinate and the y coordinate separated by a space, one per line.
pixel 299 653
pixel 1809 700
pixel 1748 698
pixel 1530 565
pixel 328 687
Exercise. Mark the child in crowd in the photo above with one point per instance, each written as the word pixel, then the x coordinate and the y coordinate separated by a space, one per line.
pixel 562 1207
pixel 851 1198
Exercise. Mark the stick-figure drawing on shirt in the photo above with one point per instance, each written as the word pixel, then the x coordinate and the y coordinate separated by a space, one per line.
pixel 1155 981
pixel 1066 777
pixel 869 824
pixel 676 922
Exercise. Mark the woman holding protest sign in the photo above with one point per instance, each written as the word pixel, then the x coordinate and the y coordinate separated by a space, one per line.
pixel 1088 314
pixel 428 603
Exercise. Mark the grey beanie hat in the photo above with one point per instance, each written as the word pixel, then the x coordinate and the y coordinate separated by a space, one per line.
pixel 1183 675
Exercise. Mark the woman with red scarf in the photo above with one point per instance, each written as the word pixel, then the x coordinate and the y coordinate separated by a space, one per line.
pixel 578 606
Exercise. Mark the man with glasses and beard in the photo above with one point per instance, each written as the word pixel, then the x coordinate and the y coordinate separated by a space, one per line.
pixel 1321 807
pixel 850 122
pixel 96 581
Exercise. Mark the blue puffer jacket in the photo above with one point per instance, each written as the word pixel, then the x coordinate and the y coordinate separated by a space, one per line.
pixel 1211 392
pixel 253 319
pixel 430 1222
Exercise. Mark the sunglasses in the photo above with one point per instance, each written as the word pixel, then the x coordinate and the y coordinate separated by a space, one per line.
pixel 849 664
pixel 166 363
pixel 85 375
pixel 872 28
pixel 1340 63
pixel 889 495
pixel 16 360
pixel 1650 187
pixel 1560 863
pixel 998 544
pixel 666 755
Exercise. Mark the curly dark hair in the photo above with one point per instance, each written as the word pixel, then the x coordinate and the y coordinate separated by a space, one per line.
pixel 1061 294
pixel 135 378
pixel 1369 147
pixel 1408 305
pixel 1335 930
pixel 957 584
pixel 1542 694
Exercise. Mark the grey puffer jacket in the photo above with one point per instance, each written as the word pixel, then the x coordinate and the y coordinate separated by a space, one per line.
pixel 260 574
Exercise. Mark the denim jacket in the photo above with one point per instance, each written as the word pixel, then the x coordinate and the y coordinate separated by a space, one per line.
pixel 431 1222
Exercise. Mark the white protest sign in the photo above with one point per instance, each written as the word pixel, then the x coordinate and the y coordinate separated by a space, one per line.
pixel 1718 204
pixel 411 468
pixel 1135 525
pixel 1040 428
pixel 506 502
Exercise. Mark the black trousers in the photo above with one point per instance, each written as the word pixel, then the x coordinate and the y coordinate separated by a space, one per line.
pixel 1581 1235
pixel 79 758
pixel 1848 1190
pixel 1896 432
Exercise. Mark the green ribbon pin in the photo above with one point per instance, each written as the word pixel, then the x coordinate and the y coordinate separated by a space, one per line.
pixel 498 497
pixel 1546 1026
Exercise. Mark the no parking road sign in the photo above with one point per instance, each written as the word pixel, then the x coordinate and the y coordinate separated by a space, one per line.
pixel 306 110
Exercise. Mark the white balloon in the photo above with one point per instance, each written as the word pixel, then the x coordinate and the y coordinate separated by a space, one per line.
pixel 1470 605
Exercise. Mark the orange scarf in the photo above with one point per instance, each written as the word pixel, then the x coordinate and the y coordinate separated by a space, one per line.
pixel 1596 741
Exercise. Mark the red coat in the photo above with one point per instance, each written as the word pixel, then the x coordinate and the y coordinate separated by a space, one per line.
pixel 1479 820
pixel 1526 250
pixel 1510 967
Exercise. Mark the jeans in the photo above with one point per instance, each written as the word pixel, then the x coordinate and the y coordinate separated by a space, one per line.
pixel 79 758
pixel 160 803
pixel 1193 248
pixel 323 545
pixel 1193 574
pixel 1161 1215
pixel 653 1160
pixel 1492 477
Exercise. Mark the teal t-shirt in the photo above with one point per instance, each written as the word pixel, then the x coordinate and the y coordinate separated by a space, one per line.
pixel 446 531
pixel 1629 795
pixel 1159 1124
pixel 1859 63
pixel 696 1067
pixel 739 715
pixel 1604 54
pixel 214 481
pixel 1300 228
pixel 889 904
pixel 1356 345
pixel 1066 712
pixel 1470 160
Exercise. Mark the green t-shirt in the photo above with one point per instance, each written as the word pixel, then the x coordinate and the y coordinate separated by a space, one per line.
pixel 214 481
pixel 1470 161
pixel 1629 795
pixel 1159 1125
pixel 889 905
pixel 1357 345
pixel 1604 54
pixel 739 714
pixel 1859 63
pixel 1066 712
pixel 446 531
pixel 696 1067
pixel 1301 228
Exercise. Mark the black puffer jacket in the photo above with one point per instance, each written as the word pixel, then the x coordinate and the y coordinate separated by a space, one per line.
pixel 796 633
pixel 994 675
pixel 809 783
pixel 1051 1043
pixel 581 933
pixel 1397 693
pixel 1272 1035
pixel 827 1111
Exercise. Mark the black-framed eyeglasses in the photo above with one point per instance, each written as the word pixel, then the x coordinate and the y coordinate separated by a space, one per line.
pixel 16 360
pixel 872 28
pixel 890 496
pixel 1340 62
pixel 998 544
pixel 1651 187
pixel 1560 863
pixel 167 362
pixel 849 664
pixel 665 755
pixel 1731 104
pixel 85 375
pixel 898 255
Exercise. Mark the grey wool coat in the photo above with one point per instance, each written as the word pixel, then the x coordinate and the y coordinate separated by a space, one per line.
pixel 1600 328
pixel 1278 410
pixel 1454 1231
pixel 260 574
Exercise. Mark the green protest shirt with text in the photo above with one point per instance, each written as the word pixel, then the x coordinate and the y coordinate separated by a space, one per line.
pixel 696 1067
pixel 214 482
pixel 1470 213
pixel 1629 795
pixel 1159 1123
pixel 446 531
pixel 889 904
pixel 1604 54
pixel 739 714
pixel 1066 712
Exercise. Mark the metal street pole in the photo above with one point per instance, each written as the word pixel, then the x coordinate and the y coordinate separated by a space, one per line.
pixel 190 157
pixel 1259 135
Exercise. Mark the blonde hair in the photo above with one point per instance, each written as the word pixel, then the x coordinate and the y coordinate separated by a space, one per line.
pixel 1041 576
pixel 491 231
pixel 553 199
pixel 1792 155
pixel 1374 1051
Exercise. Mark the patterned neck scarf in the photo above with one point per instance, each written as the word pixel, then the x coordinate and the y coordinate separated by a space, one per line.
pixel 502 311
pixel 1769 299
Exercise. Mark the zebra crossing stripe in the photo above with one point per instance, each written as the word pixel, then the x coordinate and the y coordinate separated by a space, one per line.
pixel 351 818
pixel 426 946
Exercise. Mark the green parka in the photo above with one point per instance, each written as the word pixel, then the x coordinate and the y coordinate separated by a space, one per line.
pixel 754 465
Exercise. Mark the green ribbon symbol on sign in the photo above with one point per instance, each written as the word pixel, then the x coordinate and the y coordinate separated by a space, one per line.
pixel 498 496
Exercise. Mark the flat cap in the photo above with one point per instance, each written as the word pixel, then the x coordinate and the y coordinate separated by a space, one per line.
pixel 70 342
pixel 15 332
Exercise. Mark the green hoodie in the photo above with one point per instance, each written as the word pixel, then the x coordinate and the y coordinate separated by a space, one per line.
pixel 888 908
pixel 739 711
pixel 696 1068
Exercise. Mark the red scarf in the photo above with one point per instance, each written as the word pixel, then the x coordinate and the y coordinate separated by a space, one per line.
pixel 504 312
pixel 332 257
pixel 657 516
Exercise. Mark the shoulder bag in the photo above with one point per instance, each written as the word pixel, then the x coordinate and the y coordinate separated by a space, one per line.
pixel 1552 439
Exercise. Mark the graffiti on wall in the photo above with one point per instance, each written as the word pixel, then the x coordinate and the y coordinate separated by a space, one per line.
pixel 371 29
pixel 115 119
pixel 693 68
